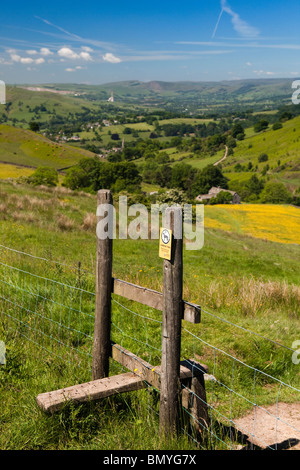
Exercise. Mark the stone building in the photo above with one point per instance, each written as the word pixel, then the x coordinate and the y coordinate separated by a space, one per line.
pixel 213 192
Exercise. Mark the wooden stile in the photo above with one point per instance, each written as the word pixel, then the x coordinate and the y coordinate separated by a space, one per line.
pixel 140 376
pixel 153 299
pixel 174 379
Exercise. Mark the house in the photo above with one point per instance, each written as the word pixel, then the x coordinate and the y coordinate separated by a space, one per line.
pixel 213 192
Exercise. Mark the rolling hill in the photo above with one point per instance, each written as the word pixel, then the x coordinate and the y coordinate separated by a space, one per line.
pixel 282 148
pixel 206 96
pixel 24 147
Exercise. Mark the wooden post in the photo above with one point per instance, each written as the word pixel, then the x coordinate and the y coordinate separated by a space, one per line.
pixel 199 406
pixel 102 342
pixel 171 329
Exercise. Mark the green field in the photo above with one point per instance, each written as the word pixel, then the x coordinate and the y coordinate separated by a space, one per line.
pixel 23 102
pixel 24 147
pixel 283 150
pixel 249 282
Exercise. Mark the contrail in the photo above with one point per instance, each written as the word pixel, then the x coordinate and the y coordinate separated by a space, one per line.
pixel 218 22
pixel 240 26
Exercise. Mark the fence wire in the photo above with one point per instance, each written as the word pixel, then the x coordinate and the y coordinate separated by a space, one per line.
pixel 58 317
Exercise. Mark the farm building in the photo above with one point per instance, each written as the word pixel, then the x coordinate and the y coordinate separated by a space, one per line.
pixel 213 192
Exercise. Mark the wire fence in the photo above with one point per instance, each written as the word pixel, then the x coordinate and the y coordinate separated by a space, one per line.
pixel 56 314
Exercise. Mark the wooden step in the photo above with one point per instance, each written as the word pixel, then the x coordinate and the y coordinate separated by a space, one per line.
pixel 53 401
pixel 141 374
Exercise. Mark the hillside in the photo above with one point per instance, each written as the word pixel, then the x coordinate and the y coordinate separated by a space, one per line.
pixel 26 104
pixel 282 148
pixel 255 93
pixel 82 110
pixel 24 147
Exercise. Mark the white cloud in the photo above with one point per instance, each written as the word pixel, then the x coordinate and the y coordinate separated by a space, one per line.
pixel 78 67
pixel 15 57
pixel 109 57
pixel 85 56
pixel 31 52
pixel 39 61
pixel 87 49
pixel 45 51
pixel 26 60
pixel 68 53
pixel 262 72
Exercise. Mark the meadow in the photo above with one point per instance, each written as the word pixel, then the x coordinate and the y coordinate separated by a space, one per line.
pixel 24 147
pixel 281 147
pixel 245 283
pixel 276 223
pixel 8 171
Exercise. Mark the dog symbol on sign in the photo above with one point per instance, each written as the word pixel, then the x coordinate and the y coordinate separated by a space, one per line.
pixel 165 236
pixel 165 243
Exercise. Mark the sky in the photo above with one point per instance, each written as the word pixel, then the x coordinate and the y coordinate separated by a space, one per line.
pixel 100 42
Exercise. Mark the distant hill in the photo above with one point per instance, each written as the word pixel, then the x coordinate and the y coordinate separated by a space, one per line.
pixel 33 103
pixel 257 94
pixel 254 93
pixel 23 147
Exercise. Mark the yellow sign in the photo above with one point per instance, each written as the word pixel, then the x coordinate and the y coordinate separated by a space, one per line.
pixel 165 243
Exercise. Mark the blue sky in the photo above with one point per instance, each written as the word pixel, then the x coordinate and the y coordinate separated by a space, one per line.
pixel 99 42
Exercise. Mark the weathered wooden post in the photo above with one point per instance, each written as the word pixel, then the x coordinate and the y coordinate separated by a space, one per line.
pixel 102 342
pixel 171 327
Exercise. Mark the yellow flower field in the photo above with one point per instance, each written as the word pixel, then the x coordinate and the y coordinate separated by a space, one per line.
pixel 276 223
pixel 13 171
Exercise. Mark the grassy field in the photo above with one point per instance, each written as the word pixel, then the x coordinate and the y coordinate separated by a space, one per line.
pixel 244 280
pixel 23 147
pixel 8 171
pixel 281 147
pixel 268 222
pixel 23 103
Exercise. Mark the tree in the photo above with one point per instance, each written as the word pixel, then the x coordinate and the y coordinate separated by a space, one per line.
pixel 182 175
pixel 276 126
pixel 173 196
pixel 261 125
pixel 163 176
pixel 43 176
pixel 75 178
pixel 254 185
pixel 275 193
pixel 250 189
pixel 263 157
pixel 206 178
pixel 238 130
pixel 223 197
pixel 34 126
pixel 92 175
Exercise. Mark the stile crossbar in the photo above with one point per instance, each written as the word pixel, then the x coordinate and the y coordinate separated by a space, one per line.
pixel 177 381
